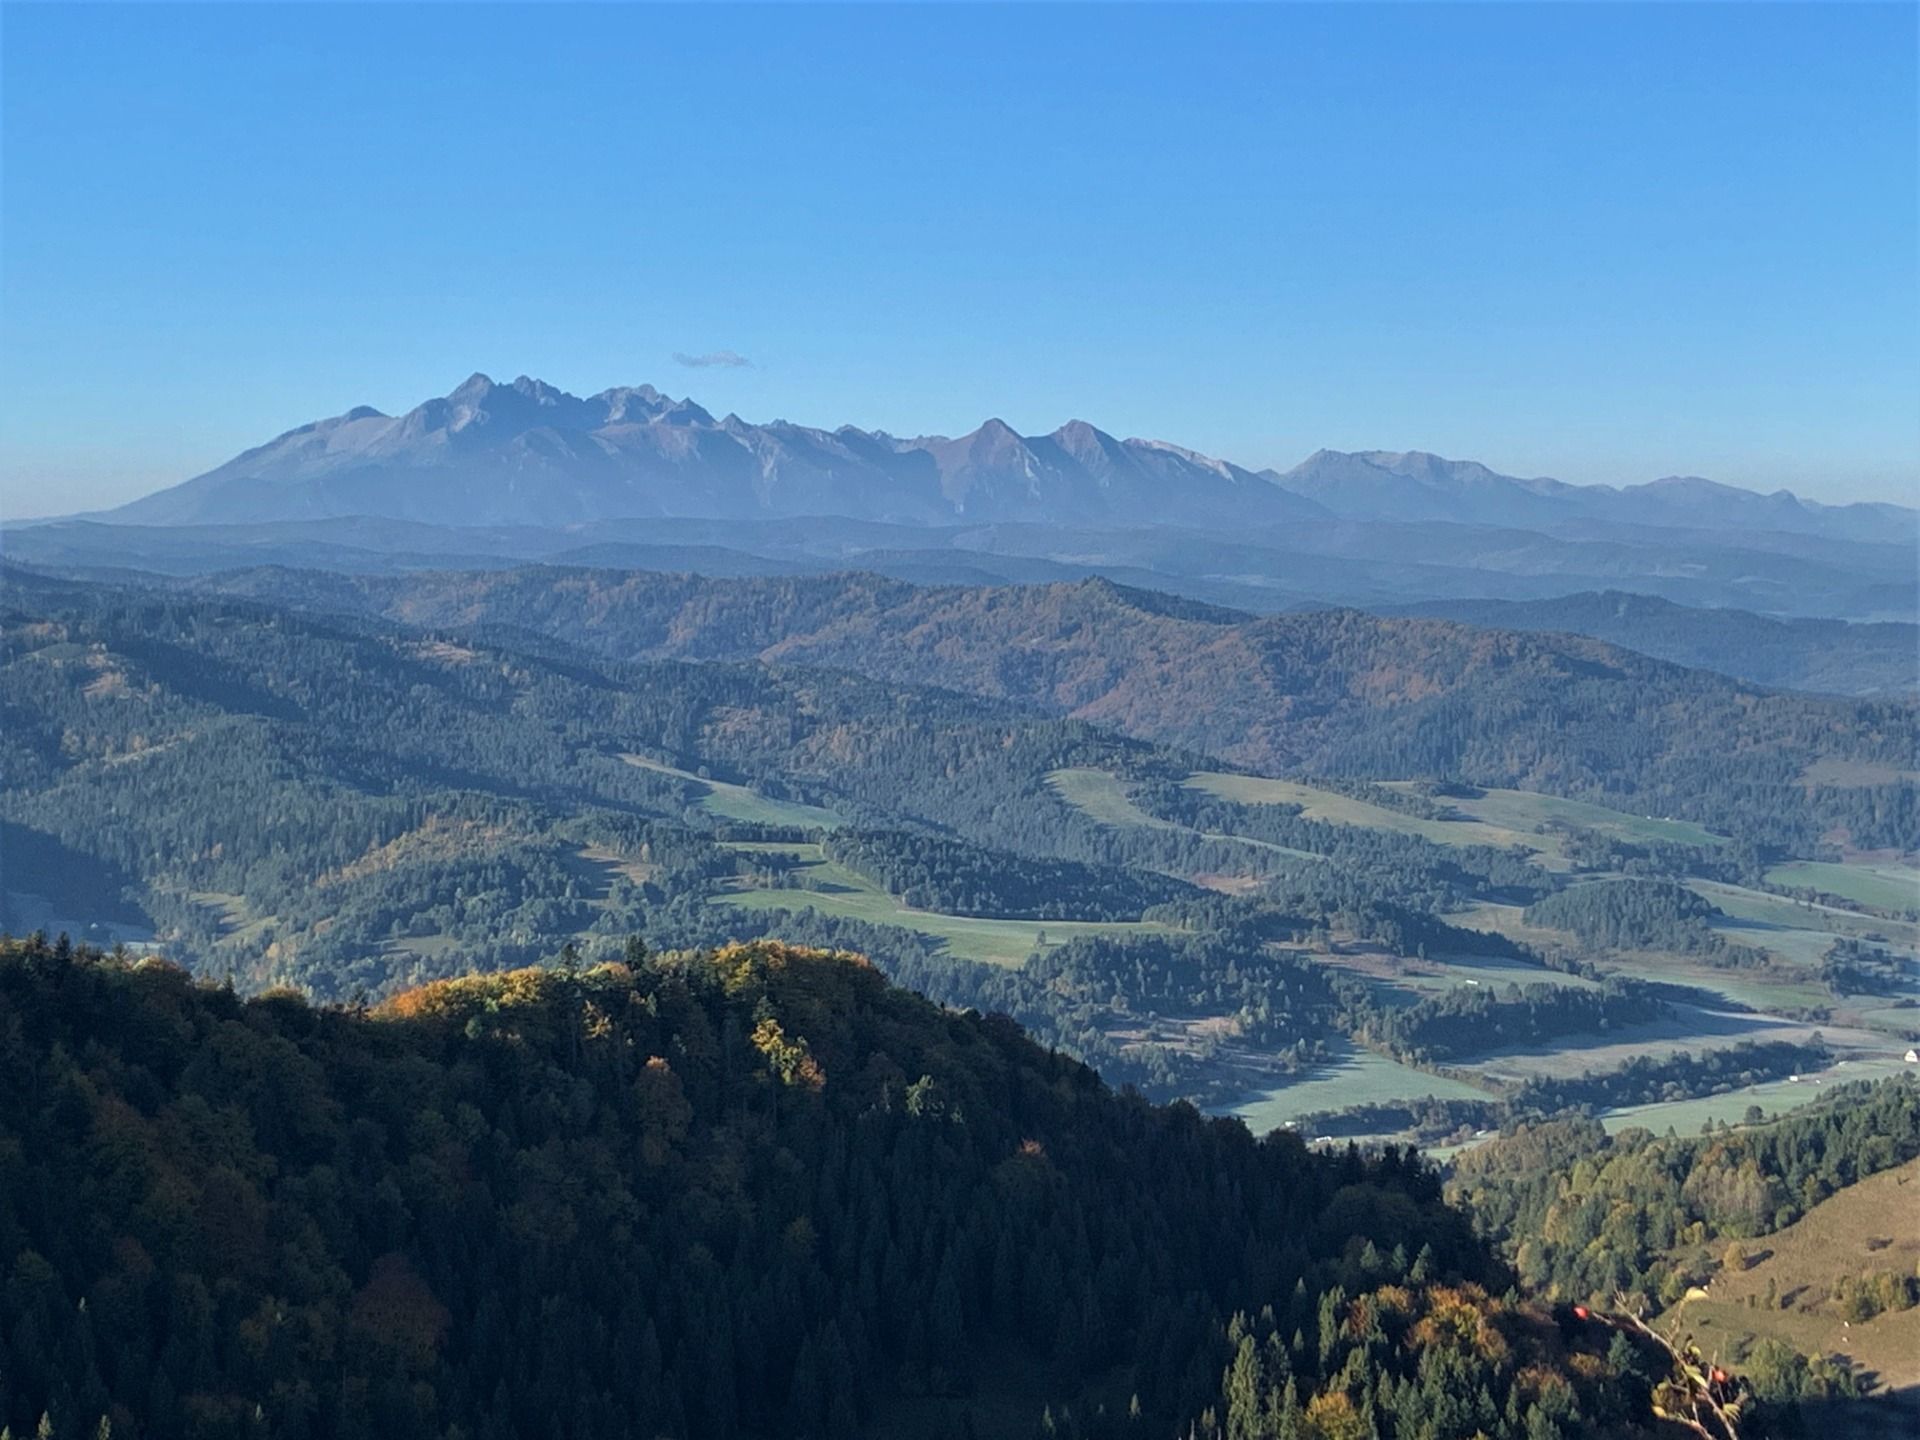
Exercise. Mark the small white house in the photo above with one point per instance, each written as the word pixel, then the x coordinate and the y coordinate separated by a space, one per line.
pixel 1913 1057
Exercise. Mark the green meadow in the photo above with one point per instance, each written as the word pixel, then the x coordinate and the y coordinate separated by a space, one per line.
pixel 738 802
pixel 1882 887
pixel 836 890
pixel 1355 1077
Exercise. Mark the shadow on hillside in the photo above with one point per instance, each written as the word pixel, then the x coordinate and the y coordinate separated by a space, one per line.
pixel 1894 1415
pixel 43 881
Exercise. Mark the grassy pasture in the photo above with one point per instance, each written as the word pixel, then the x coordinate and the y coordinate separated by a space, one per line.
pixel 737 802
pixel 1338 809
pixel 28 912
pixel 236 918
pixel 1403 981
pixel 1691 1029
pixel 993 942
pixel 1356 1077
pixel 1883 887
pixel 1761 907
pixel 1767 922
pixel 1775 1097
pixel 1871 1225
pixel 1522 810
pixel 1101 795
pixel 1767 990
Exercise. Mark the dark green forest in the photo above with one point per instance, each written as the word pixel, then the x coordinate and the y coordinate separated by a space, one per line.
pixel 753 1191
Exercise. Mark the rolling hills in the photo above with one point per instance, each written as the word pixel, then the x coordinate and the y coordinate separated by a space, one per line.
pixel 1329 692
pixel 1826 656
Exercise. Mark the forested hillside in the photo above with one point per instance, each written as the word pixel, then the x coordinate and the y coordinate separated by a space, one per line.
pixel 323 791
pixel 1833 657
pixel 751 1192
pixel 352 805
pixel 1332 692
pixel 1588 1216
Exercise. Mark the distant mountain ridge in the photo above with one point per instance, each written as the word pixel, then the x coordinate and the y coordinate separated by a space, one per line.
pixel 1415 485
pixel 1829 656
pixel 527 453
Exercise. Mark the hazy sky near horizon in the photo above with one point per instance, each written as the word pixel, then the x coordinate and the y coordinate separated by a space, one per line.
pixel 1603 242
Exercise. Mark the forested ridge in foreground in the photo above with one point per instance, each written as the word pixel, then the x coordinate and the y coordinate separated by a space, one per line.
pixel 753 1191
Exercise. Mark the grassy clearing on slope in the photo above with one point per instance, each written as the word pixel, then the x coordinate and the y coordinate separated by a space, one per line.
pixel 993 942
pixel 1522 810
pixel 1689 1029
pixel 1355 1077
pixel 1775 1097
pixel 235 917
pixel 1869 1226
pixel 737 802
pixel 1400 980
pixel 1504 818
pixel 1884 887
pixel 1791 985
pixel 1338 809
pixel 1765 990
pixel 27 912
pixel 1763 908
pixel 1101 795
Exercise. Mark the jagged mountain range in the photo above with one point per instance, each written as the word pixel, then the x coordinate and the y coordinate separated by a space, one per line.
pixel 527 453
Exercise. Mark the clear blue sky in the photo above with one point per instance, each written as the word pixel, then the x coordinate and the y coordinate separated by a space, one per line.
pixel 1601 242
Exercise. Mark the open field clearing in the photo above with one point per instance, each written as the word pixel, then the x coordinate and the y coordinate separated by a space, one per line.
pixel 1743 903
pixel 1498 918
pixel 1690 1028
pixel 737 802
pixel 993 942
pixel 27 913
pixel 1338 809
pixel 1783 928
pixel 235 917
pixel 1402 981
pixel 1884 887
pixel 1102 796
pixel 1355 1077
pixel 1775 1097
pixel 1769 990
pixel 1522 810
pixel 1790 946
pixel 424 947
pixel 597 867
pixel 1901 1021
pixel 1870 1226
